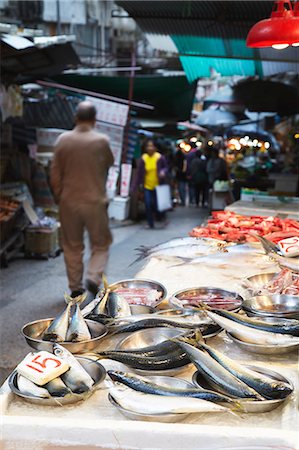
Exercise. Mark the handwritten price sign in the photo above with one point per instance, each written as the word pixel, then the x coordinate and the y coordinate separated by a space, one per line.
pixel 289 246
pixel 42 367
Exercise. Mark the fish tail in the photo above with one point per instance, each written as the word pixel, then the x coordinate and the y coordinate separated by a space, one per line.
pixel 56 401
pixel 236 407
pixel 105 282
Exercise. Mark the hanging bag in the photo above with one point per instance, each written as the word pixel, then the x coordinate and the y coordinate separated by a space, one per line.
pixel 164 200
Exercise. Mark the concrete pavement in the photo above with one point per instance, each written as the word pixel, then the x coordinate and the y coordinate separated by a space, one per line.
pixel 33 289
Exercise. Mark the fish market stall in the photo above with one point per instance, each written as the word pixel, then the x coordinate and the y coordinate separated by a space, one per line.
pixel 224 271
pixel 266 206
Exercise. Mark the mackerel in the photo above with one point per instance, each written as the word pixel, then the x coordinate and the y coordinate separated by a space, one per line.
pixel 281 328
pixel 266 386
pixel 213 371
pixel 252 335
pixel 57 388
pixel 56 332
pixel 27 387
pixel 148 387
pixel 156 404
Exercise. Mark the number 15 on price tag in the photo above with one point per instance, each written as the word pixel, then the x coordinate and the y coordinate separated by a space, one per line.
pixel 42 367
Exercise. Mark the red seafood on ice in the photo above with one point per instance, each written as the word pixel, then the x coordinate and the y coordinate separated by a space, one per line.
pixel 232 227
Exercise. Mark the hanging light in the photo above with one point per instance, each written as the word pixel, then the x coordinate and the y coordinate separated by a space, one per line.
pixel 280 31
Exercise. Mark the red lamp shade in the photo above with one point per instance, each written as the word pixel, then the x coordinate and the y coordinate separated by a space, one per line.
pixel 280 31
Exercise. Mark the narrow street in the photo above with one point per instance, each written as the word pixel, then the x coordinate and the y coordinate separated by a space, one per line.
pixel 33 289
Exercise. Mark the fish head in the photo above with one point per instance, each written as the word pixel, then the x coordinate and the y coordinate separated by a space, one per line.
pixel 60 351
pixel 115 375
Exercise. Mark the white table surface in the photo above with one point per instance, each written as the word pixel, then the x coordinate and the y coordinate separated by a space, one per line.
pixel 96 424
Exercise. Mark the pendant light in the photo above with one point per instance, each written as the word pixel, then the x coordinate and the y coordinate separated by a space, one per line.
pixel 280 31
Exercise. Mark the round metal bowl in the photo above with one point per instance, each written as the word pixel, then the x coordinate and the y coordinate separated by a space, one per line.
pixel 33 332
pixel 141 283
pixel 263 349
pixel 256 282
pixel 94 369
pixel 151 336
pixel 285 306
pixel 141 309
pixel 175 417
pixel 249 406
pixel 176 300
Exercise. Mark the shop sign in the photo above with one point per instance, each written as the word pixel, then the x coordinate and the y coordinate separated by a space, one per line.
pixel 48 136
pixel 115 134
pixel 110 112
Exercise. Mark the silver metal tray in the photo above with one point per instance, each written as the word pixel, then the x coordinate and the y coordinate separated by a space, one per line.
pixel 141 309
pixel 249 406
pixel 167 381
pixel 33 332
pixel 286 306
pixel 94 369
pixel 263 349
pixel 151 336
pixel 141 283
pixel 176 302
pixel 256 282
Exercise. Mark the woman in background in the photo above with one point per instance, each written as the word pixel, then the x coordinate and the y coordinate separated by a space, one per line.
pixel 151 172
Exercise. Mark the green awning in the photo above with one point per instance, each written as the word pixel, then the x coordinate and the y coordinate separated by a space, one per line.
pixel 171 96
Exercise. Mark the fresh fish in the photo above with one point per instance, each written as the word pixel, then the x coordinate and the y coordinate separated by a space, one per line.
pixel 206 328
pixel 57 388
pixel 92 305
pixel 76 378
pixel 100 308
pixel 57 330
pixel 183 318
pixel 273 251
pixel 213 371
pixel 178 247
pixel 171 360
pixel 117 306
pixel 248 334
pixel 156 404
pixel 148 387
pixel 78 330
pixel 289 328
pixel 27 387
pixel 267 387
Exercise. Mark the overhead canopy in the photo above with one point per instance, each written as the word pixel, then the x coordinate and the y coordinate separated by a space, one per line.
pixel 172 96
pixel 23 61
pixel 211 34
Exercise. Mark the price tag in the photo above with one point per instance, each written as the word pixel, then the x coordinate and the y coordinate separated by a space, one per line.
pixel 289 246
pixel 41 367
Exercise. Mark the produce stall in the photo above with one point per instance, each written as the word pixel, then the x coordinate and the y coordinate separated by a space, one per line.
pixel 187 264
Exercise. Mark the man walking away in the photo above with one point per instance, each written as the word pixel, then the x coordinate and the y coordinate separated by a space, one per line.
pixel 78 177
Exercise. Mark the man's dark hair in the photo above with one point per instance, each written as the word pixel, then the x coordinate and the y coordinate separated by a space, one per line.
pixel 86 112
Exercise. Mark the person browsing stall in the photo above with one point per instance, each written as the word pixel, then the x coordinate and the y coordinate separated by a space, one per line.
pixel 82 158
pixel 151 172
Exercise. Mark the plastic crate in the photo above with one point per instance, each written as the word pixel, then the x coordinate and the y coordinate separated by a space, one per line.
pixel 41 241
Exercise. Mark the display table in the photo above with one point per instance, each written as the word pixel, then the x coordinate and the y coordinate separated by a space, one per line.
pixel 96 424
pixel 265 208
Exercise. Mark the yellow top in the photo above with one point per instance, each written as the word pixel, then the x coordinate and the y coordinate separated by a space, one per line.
pixel 151 174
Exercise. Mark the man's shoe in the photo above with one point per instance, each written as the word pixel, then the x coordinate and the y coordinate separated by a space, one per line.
pixel 77 293
pixel 92 287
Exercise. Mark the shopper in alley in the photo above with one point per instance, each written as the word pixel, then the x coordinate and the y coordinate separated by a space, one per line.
pixel 79 171
pixel 199 178
pixel 152 171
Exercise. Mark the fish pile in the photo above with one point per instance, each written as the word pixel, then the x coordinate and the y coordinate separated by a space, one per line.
pixel 214 300
pixel 67 327
pixel 256 331
pixel 139 395
pixel 166 355
pixel 139 296
pixel 182 248
pixel 231 227
pixel 75 381
pixel 232 378
pixel 285 282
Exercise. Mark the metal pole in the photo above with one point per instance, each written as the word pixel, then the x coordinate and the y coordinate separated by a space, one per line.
pixel 58 29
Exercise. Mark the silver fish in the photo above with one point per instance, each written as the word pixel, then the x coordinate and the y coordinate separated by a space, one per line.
pixel 56 332
pixel 274 252
pixel 27 387
pixel 76 378
pixel 117 306
pixel 252 335
pixel 78 330
pixel 267 387
pixel 156 404
pixel 57 388
pixel 213 371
